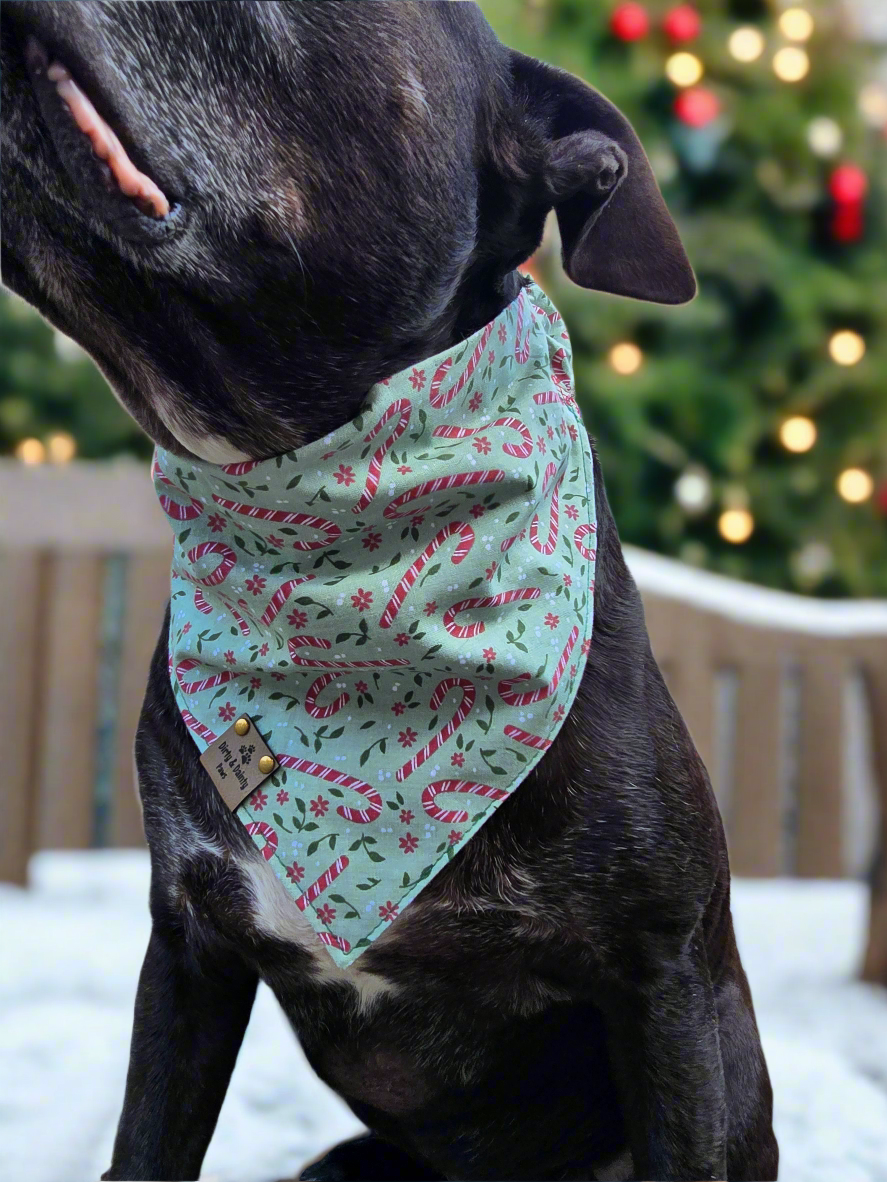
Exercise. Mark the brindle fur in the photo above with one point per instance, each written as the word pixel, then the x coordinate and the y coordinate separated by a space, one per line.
pixel 357 183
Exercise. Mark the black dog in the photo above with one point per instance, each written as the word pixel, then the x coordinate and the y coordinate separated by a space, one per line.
pixel 350 188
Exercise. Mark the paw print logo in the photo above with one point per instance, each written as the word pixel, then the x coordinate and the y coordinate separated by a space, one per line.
pixel 246 753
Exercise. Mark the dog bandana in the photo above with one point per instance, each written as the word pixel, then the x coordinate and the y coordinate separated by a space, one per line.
pixel 400 610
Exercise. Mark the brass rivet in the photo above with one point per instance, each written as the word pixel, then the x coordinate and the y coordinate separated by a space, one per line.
pixel 266 764
pixel 241 726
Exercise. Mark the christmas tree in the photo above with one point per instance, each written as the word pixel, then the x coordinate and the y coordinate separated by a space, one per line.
pixel 747 431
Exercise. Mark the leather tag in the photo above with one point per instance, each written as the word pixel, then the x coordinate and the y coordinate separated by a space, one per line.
pixel 238 761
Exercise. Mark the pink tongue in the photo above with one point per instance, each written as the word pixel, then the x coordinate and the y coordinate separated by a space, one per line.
pixel 106 145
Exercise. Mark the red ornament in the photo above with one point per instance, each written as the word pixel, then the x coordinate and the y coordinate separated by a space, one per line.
pixel 697 106
pixel 848 184
pixel 629 22
pixel 682 23
pixel 847 222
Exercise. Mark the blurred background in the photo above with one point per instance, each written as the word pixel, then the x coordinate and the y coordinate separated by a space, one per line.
pixel 743 440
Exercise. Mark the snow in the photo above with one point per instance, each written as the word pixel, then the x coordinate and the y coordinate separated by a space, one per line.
pixel 73 945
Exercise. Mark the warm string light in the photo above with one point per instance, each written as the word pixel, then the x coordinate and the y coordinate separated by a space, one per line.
pixel 796 24
pixel 824 136
pixel 626 358
pixel 855 485
pixel 31 451
pixel 873 104
pixel 746 44
pixel 846 347
pixel 736 525
pixel 797 434
pixel 61 447
pixel 683 69
pixel 791 64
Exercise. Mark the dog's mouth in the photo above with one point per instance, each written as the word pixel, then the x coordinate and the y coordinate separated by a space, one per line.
pixel 92 153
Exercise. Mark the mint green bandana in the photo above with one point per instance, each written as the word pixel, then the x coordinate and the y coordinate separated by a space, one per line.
pixel 403 608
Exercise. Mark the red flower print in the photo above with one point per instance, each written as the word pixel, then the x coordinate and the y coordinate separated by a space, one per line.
pixel 295 873
pixel 482 445
pixel 398 708
pixel 503 333
pixel 572 670
pixel 407 738
pixel 403 469
pixel 558 714
pixel 430 608
pixel 475 400
pixel 297 619
pixel 551 620
pixel 263 651
pixel 586 645
pixel 455 835
pixel 229 657
pixel 216 522
pixel 344 475
pixel 491 570
pixel 256 584
pixel 275 540
pixel 550 433
pixel 227 712
pixel 402 638
pixel 362 599
pixel 568 580
pixel 327 455
pixel 457 759
pixel 326 914
pixel 491 356
pixel 388 911
pixel 572 512
pixel 522 534
pixel 408 843
pixel 489 654
pixel 477 511
pixel 187 628
pixel 255 682
pixel 282 796
pixel 417 379
pixel 574 434
pixel 540 444
pixel 361 687
pixel 319 807
pixel 405 816
pixel 258 800
pixel 279 676
pixel 372 541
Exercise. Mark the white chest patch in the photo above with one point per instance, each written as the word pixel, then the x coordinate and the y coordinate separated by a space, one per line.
pixel 276 914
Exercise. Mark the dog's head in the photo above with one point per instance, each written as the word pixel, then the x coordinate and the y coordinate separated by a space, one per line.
pixel 349 189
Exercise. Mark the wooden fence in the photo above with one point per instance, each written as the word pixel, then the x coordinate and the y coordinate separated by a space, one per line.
pixel 762 679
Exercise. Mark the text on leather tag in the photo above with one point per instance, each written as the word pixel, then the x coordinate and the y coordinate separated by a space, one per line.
pixel 238 761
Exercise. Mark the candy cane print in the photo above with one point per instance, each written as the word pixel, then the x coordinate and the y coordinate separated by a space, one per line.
pixel 528 740
pixel 548 546
pixel 512 698
pixel 200 602
pixel 240 468
pixel 241 622
pixel 455 816
pixel 297 642
pixel 314 691
pixel 194 687
pixel 467 631
pixel 360 816
pixel 438 397
pixel 326 879
pixel 582 531
pixel 172 508
pixel 466 535
pixel 227 559
pixel 264 830
pixel 404 408
pixel 280 596
pixel 519 450
pixel 460 480
pixel 559 372
pixel 468 695
pixel 197 727
pixel 522 352
pixel 281 517
pixel 336 941
pixel 547 396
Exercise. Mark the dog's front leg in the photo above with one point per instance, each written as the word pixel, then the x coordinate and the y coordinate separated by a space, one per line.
pixel 666 1057
pixel 191 1012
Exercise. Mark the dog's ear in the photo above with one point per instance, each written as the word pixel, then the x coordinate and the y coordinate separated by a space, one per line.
pixel 616 232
